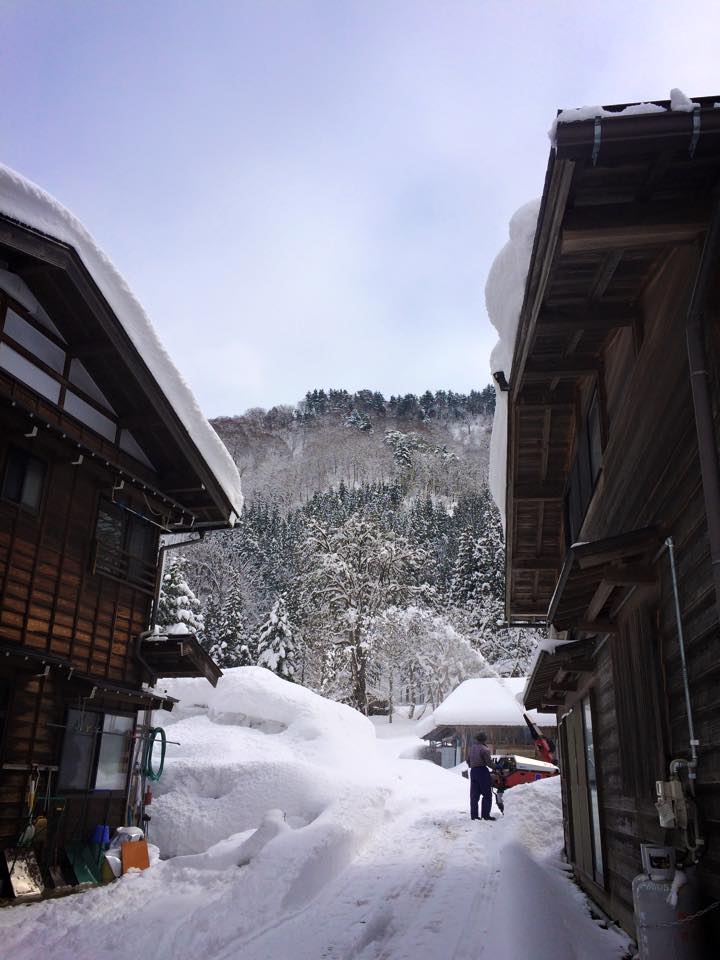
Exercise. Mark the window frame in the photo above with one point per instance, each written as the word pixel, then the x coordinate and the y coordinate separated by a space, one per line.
pixel 97 734
pixel 584 474
pixel 126 564
pixel 13 450
pixel 594 810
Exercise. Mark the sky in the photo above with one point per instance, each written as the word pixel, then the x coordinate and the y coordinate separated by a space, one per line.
pixel 310 193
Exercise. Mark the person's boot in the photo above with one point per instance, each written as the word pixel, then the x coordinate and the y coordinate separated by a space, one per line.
pixel 489 818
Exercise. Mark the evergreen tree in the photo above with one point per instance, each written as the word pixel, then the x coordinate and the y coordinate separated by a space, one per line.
pixel 276 642
pixel 178 604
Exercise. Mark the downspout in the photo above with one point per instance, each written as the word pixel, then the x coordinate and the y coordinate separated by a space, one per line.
pixel 702 399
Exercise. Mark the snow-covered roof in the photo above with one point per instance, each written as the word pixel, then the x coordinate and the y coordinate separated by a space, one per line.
pixel 23 201
pixel 488 701
pixel 505 285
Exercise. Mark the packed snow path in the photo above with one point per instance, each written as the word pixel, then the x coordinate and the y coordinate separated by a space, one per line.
pixel 292 833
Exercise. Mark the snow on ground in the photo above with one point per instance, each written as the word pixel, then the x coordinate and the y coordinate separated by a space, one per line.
pixel 291 831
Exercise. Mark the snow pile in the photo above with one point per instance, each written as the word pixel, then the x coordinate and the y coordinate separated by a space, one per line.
pixel 486 701
pixel 25 202
pixel 504 294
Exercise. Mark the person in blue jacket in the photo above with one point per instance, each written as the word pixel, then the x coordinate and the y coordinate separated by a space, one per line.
pixel 479 759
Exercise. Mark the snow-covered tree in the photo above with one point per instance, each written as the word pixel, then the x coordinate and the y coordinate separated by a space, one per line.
pixel 276 642
pixel 178 603
pixel 355 571
pixel 226 634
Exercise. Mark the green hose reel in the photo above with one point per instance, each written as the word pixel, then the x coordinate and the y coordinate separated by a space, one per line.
pixel 153 734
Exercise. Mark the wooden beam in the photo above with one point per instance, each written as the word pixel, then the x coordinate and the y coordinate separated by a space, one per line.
pixel 599 599
pixel 91 348
pixel 599 316
pixel 630 575
pixel 594 626
pixel 562 368
pixel 532 492
pixel 138 420
pixel 557 683
pixel 631 225
pixel 536 563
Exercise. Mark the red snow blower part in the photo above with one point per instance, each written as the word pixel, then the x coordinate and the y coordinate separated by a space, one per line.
pixel 512 770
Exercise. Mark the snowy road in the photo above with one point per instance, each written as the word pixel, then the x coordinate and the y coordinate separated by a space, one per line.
pixel 423 889
pixel 292 833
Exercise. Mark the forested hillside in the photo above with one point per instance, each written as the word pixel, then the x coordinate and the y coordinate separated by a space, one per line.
pixel 368 562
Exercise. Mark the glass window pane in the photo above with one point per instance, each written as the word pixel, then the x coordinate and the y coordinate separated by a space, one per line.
pixel 594 439
pixel 34 341
pixel 19 290
pixel 593 791
pixel 114 757
pixel 24 479
pixel 14 477
pixel 110 536
pixel 33 376
pixel 89 415
pixel 81 378
pixel 33 485
pixel 129 444
pixel 78 751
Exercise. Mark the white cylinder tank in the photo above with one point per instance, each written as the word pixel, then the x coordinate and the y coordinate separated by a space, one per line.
pixel 657 912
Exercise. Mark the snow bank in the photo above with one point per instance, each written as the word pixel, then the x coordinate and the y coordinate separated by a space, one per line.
pixel 28 204
pixel 504 294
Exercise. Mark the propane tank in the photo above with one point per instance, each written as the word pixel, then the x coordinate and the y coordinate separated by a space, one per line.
pixel 662 896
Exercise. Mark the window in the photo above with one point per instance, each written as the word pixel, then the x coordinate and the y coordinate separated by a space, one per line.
pixel 96 751
pixel 125 545
pixel 592 787
pixel 585 471
pixel 24 479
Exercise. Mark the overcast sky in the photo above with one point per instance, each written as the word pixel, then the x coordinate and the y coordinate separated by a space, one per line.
pixel 308 193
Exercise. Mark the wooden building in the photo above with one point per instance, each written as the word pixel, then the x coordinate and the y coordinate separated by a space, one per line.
pixel 102 449
pixel 488 704
pixel 612 475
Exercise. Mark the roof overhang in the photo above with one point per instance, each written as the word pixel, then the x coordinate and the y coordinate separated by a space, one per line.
pixel 178 655
pixel 597 578
pixel 58 278
pixel 91 689
pixel 621 194
pixel 558 673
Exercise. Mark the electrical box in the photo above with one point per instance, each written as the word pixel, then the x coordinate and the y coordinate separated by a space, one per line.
pixel 658 862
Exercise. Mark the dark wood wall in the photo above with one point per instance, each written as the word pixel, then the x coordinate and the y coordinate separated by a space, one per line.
pixel 651 476
pixel 51 603
pixel 49 598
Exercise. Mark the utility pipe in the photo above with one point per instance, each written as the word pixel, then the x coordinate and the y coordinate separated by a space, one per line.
pixel 692 766
pixel 701 393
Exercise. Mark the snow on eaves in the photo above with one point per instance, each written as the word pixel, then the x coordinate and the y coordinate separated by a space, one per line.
pixel 24 201
pixel 678 103
pixel 504 294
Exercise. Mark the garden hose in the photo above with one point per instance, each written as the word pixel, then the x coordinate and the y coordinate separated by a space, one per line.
pixel 148 771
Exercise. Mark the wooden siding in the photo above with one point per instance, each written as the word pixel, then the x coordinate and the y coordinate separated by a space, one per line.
pixel 51 604
pixel 50 600
pixel 651 476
